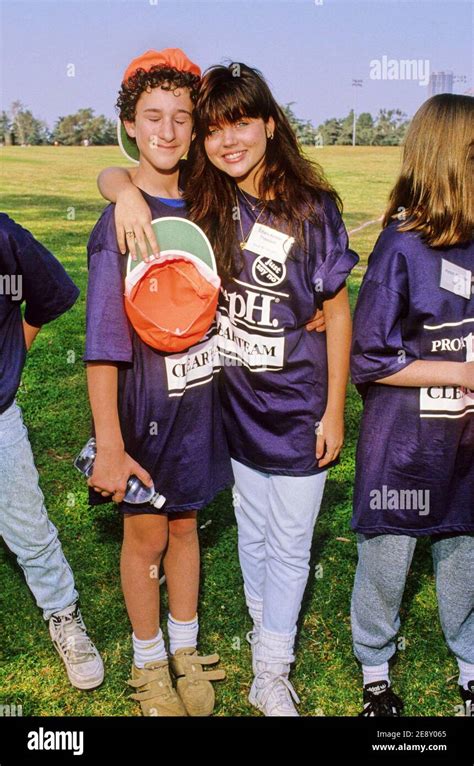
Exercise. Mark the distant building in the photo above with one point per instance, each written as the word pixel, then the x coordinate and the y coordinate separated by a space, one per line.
pixel 441 82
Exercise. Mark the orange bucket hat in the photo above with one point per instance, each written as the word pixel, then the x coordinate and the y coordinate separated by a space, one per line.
pixel 171 302
pixel 172 58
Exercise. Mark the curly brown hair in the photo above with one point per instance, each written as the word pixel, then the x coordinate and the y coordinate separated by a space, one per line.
pixel 158 76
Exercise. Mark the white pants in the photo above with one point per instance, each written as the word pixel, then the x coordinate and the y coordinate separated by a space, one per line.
pixel 275 519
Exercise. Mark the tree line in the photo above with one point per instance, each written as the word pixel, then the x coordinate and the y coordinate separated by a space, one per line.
pixel 19 126
pixel 388 128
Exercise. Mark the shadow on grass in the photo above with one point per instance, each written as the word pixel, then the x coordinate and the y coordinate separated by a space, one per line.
pixel 421 567
pixel 220 514
pixel 35 209
pixel 337 494
pixel 108 523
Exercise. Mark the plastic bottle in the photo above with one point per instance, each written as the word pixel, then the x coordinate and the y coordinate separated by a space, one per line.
pixel 136 493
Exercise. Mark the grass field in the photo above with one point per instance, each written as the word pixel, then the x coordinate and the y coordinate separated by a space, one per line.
pixel 52 192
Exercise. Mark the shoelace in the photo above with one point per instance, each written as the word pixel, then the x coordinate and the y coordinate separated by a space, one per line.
pixel 279 685
pixel 72 638
pixel 383 705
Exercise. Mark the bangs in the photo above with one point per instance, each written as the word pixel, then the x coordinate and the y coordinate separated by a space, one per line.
pixel 230 98
pixel 227 108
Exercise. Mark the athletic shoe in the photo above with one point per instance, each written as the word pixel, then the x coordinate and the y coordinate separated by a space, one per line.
pixel 193 684
pixel 273 694
pixel 381 701
pixel 154 690
pixel 468 697
pixel 83 662
pixel 271 691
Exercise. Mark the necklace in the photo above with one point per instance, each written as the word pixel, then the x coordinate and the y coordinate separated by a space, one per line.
pixel 244 240
pixel 251 205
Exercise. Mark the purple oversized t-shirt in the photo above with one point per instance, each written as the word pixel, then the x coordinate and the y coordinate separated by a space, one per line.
pixel 275 374
pixel 29 273
pixel 415 456
pixel 169 405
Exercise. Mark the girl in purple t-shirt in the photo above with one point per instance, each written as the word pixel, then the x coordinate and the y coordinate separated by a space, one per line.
pixel 413 361
pixel 282 252
pixel 282 249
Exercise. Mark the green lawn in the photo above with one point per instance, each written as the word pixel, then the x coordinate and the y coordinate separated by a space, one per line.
pixel 52 192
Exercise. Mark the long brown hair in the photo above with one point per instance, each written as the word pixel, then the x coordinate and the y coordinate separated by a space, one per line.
pixel 290 182
pixel 434 192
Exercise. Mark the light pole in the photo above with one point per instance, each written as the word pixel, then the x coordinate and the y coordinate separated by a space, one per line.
pixel 355 84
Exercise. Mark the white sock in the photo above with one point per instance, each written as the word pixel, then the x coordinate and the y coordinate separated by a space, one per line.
pixel 466 673
pixel 182 634
pixel 255 608
pixel 148 649
pixel 374 673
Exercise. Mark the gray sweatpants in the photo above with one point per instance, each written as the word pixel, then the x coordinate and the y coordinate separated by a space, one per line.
pixel 379 584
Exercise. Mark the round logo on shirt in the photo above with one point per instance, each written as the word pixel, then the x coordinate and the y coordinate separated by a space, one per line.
pixel 267 272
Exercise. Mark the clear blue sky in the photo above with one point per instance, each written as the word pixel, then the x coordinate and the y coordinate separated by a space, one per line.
pixel 308 51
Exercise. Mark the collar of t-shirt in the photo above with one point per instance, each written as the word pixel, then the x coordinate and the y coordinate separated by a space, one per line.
pixel 170 201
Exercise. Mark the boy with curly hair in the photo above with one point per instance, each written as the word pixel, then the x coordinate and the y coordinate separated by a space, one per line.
pixel 142 427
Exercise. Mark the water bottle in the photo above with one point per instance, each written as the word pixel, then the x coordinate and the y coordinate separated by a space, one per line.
pixel 136 492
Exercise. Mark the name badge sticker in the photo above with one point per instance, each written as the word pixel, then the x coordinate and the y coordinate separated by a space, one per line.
pixel 264 240
pixel 456 279
pixel 470 348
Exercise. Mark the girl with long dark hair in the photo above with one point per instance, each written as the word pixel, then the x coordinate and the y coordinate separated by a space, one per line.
pixel 282 251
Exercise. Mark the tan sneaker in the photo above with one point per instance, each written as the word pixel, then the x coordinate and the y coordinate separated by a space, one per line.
pixel 155 691
pixel 192 683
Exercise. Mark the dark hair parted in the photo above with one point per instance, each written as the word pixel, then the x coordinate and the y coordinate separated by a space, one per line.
pixel 434 194
pixel 290 183
pixel 157 77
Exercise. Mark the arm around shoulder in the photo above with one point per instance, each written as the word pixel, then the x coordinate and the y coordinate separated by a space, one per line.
pixel 132 213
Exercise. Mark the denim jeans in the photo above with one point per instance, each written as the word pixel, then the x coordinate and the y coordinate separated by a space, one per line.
pixel 275 518
pixel 24 522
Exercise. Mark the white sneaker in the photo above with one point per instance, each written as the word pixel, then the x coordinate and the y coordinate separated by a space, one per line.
pixel 273 694
pixel 83 662
pixel 272 655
